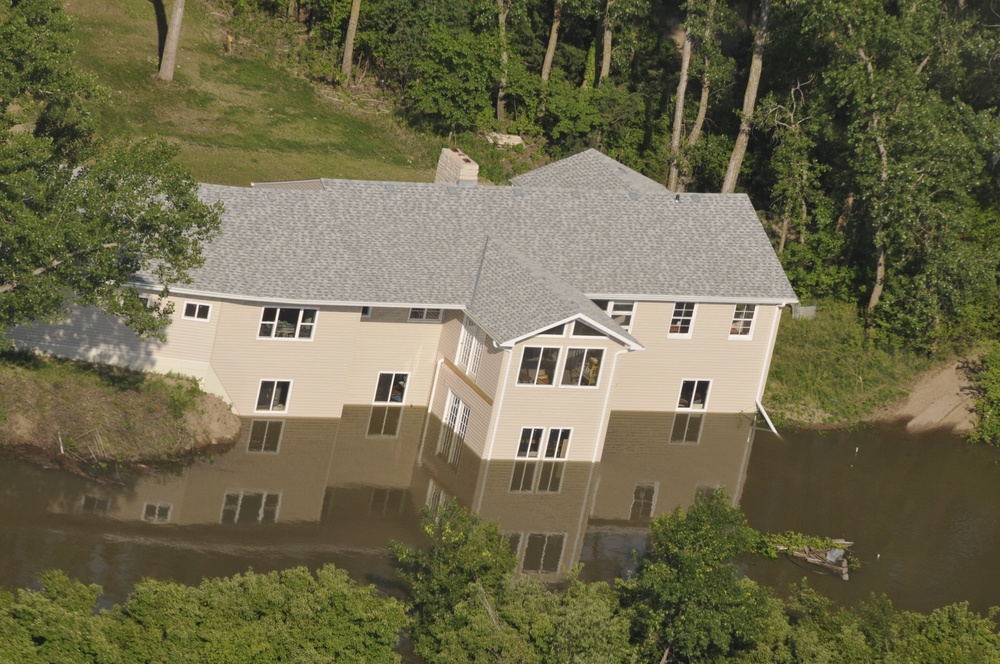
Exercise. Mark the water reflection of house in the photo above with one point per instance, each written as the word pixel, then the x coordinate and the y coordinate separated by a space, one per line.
pixel 521 317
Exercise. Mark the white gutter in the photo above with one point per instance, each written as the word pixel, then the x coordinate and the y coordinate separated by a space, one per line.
pixel 766 366
pixel 499 408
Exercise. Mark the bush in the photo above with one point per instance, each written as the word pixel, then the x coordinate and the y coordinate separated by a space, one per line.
pixel 985 379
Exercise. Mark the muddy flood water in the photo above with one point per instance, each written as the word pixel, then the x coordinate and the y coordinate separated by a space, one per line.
pixel 924 511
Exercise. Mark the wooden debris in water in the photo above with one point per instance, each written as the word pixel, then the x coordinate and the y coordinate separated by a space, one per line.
pixel 833 559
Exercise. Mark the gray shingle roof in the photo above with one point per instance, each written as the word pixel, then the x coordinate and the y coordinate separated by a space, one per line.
pixel 515 297
pixel 588 170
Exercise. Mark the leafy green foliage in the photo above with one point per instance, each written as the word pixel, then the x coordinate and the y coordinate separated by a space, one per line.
pixel 686 600
pixel 985 379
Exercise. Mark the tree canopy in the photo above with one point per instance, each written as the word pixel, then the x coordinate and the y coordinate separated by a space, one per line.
pixel 82 217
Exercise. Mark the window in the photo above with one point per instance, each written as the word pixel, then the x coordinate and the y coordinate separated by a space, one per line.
pixel 470 349
pixel 387 502
pixel 743 317
pixel 620 311
pixel 366 312
pixel 694 395
pixel 543 476
pixel 427 315
pixel 391 387
pixel 287 323
pixel 453 429
pixel 273 395
pixel 265 436
pixel 643 498
pixel 543 552
pixel 96 505
pixel 387 411
pixel 581 329
pixel 146 301
pixel 538 366
pixel 196 310
pixel 436 496
pixel 686 429
pixel 250 507
pixel 681 321
pixel 557 331
pixel 583 367
pixel 156 512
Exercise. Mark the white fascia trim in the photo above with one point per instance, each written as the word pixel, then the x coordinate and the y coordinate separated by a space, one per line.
pixel 617 336
pixel 698 299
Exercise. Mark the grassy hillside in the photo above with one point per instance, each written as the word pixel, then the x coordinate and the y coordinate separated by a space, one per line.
pixel 236 120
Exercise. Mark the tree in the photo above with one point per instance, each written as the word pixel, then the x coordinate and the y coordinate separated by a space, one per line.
pixel 82 218
pixel 686 601
pixel 352 28
pixel 169 60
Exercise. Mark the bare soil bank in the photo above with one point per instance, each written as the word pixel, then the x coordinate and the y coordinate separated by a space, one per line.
pixel 939 400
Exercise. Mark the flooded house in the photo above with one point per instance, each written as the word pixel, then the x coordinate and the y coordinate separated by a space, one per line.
pixel 523 323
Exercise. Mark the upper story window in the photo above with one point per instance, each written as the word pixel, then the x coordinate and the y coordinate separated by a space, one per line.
pixel 470 349
pixel 682 320
pixel 581 329
pixel 743 318
pixel 694 395
pixel 286 323
pixel 531 446
pixel 391 387
pixel 538 366
pixel 196 310
pixel 583 367
pixel 426 315
pixel 620 311
pixel 557 331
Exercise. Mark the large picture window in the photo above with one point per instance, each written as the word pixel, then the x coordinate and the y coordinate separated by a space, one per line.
pixel 583 367
pixel 694 395
pixel 287 323
pixel 743 318
pixel 538 366
pixel 682 320
pixel 273 395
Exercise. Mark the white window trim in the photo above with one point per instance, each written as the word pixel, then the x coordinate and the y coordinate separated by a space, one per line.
pixel 544 444
pixel 552 379
pixel 158 505
pixel 610 311
pixel 391 402
pixel 288 400
pixel 753 324
pixel 454 432
pixel 704 407
pixel 298 325
pixel 198 305
pixel 239 507
pixel 268 424
pixel 694 317
pixel 411 319
pixel 600 368
pixel 470 347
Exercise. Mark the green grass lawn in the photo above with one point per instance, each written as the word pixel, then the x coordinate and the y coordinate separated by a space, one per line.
pixel 235 120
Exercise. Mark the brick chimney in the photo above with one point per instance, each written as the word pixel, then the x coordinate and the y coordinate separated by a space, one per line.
pixel 455 167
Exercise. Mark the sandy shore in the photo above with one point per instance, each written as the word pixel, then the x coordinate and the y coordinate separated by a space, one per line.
pixel 938 400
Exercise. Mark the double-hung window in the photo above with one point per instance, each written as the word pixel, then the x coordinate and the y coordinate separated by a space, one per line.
pixel 387 406
pixel 453 430
pixel 196 310
pixel 287 323
pixel 583 367
pixel 682 320
pixel 273 395
pixel 539 465
pixel 538 366
pixel 743 317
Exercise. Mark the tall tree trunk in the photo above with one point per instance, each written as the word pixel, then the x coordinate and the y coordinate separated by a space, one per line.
pixel 550 50
pixel 502 8
pixel 169 60
pixel 606 44
pixel 352 28
pixel 675 138
pixel 749 101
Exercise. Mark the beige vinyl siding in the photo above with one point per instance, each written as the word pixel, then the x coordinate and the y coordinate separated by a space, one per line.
pixel 553 406
pixel 451 334
pixel 491 365
pixel 651 379
pixel 379 460
pixel 638 451
pixel 479 413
